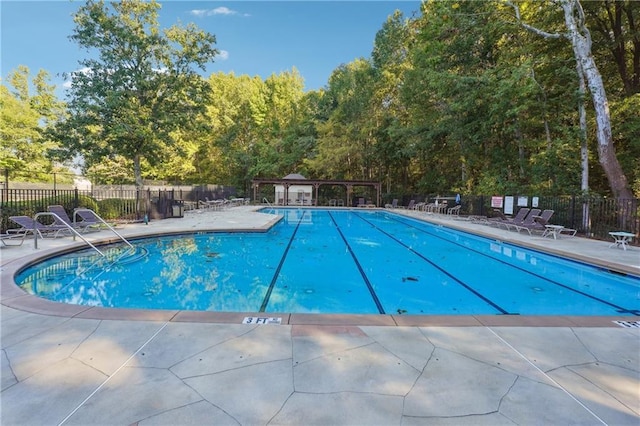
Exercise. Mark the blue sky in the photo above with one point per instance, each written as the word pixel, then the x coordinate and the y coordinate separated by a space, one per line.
pixel 254 37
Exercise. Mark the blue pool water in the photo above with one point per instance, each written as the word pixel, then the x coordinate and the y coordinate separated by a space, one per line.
pixel 335 261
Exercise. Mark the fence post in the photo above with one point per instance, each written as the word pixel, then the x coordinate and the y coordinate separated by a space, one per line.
pixel 572 211
pixel 76 199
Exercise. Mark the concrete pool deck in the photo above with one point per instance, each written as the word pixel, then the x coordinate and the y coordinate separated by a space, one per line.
pixel 79 365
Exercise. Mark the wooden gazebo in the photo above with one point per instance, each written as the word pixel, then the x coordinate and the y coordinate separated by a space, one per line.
pixel 297 180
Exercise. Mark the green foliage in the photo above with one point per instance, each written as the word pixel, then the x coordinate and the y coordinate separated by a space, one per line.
pixel 110 171
pixel 30 208
pixel 112 208
pixel 24 117
pixel 259 129
pixel 141 88
pixel 458 100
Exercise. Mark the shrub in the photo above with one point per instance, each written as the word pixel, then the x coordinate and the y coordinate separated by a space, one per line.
pixel 116 208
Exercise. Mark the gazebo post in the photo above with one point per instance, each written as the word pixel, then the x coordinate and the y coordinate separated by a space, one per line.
pixel 316 186
pixel 286 194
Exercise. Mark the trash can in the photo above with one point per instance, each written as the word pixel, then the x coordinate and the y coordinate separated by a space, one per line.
pixel 177 208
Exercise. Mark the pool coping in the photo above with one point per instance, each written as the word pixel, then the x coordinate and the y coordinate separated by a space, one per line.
pixel 14 297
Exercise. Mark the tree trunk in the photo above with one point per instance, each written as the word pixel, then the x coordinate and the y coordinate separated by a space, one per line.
pixel 137 172
pixel 143 202
pixel 584 149
pixel 581 42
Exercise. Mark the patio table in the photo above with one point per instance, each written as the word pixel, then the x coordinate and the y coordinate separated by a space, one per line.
pixel 621 239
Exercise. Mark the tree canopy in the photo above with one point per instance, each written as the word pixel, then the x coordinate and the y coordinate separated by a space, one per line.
pixel 141 87
pixel 28 107
pixel 459 98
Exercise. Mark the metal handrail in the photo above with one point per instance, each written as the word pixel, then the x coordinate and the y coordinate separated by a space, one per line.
pixel 75 212
pixel 267 201
pixel 60 222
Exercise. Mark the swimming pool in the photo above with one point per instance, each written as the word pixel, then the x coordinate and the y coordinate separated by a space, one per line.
pixel 336 261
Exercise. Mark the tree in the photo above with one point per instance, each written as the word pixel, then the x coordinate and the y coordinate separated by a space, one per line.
pixel 389 115
pixel 344 147
pixel 24 117
pixel 141 89
pixel 580 37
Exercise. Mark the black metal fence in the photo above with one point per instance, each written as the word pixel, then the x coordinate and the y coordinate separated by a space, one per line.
pixel 112 204
pixel 593 217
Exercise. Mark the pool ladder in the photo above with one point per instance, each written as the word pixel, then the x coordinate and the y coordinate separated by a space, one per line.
pixel 267 201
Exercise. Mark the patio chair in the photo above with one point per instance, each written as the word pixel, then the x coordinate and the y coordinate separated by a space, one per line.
pixel 32 226
pixel 441 208
pixel 62 218
pixel 13 237
pixel 393 205
pixel 454 210
pixel 501 219
pixel 429 207
pixel 411 204
pixel 90 219
pixel 535 222
pixel 528 221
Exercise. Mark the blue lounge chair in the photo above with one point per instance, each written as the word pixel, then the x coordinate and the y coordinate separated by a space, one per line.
pixel 32 226
pixel 62 218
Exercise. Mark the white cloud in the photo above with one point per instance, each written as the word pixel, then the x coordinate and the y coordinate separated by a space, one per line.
pixel 222 10
pixel 68 83
pixel 223 55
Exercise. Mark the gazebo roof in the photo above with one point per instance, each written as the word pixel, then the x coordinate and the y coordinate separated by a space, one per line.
pixel 294 176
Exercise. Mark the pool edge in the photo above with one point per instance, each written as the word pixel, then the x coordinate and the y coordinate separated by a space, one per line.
pixel 14 297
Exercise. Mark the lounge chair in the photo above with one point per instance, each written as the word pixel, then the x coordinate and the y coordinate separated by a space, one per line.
pixel 528 221
pixel 13 237
pixel 62 218
pixel 361 202
pixel 501 219
pixel 410 205
pixel 441 208
pixel 393 205
pixel 535 222
pixel 214 204
pixel 454 210
pixel 32 226
pixel 89 219
pixel 429 208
